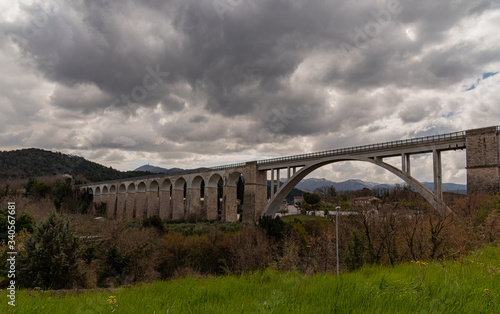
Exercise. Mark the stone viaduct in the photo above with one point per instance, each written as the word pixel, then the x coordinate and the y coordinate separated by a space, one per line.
pixel 212 194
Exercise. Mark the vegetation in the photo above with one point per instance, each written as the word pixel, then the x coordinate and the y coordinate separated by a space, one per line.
pixel 467 285
pixel 49 258
pixel 32 162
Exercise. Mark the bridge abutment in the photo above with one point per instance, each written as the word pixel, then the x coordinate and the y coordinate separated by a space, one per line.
pixel 483 160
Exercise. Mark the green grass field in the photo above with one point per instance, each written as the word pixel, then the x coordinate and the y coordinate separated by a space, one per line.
pixel 467 285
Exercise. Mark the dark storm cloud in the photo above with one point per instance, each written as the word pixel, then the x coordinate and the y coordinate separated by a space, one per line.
pixel 185 77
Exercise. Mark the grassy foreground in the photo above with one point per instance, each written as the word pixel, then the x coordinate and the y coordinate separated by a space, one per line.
pixel 468 285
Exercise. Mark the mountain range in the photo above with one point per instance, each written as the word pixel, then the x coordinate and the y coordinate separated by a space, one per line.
pixel 309 185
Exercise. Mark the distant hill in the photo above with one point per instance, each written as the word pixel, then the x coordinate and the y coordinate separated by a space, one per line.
pixel 170 171
pixel 34 162
pixel 309 185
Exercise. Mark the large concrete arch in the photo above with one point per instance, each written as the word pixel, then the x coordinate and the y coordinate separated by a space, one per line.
pixel 273 205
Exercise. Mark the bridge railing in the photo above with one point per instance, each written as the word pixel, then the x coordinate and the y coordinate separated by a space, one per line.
pixel 364 148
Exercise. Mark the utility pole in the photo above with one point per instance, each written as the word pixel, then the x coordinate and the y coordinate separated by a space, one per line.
pixel 337 237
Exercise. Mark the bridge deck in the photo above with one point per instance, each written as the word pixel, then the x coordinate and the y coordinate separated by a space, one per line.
pixel 419 145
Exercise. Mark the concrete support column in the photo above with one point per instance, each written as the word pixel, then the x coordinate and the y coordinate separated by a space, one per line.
pixel 110 205
pixel 405 163
pixel 141 205
pixel 121 204
pixel 178 204
pixel 194 204
pixel 277 179
pixel 288 173
pixel 483 160
pixel 165 209
pixel 153 203
pixel 272 182
pixel 130 208
pixel 255 192
pixel 229 213
pixel 211 203
pixel 438 177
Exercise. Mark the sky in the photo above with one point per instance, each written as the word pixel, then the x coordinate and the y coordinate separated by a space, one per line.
pixel 187 83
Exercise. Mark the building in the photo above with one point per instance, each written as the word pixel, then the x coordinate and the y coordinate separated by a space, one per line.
pixel 366 200
pixel 298 200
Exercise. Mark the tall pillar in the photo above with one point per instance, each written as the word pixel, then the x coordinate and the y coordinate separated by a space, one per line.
pixel 178 204
pixel 230 213
pixel 405 163
pixel 194 203
pixel 272 183
pixel 438 175
pixel 165 208
pixel 483 160
pixel 122 198
pixel 255 192
pixel 141 205
pixel 111 205
pixel 153 203
pixel 211 203
pixel 130 208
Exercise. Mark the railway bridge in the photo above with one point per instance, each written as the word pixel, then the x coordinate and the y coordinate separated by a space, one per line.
pixel 211 194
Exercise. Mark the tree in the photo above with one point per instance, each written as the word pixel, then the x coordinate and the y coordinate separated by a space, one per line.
pixel 50 256
pixel 312 199
pixel 327 192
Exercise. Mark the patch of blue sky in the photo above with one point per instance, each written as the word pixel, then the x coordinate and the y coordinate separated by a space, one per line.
pixel 478 80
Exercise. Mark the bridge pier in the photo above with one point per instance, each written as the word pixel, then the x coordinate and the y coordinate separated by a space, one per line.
pixel 230 212
pixel 194 203
pixel 153 206
pixel 130 209
pixel 483 161
pixel 211 203
pixel 141 205
pixel 178 204
pixel 438 175
pixel 255 196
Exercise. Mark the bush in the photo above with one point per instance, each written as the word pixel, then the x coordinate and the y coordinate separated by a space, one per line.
pixel 50 256
pixel 274 227
pixel 155 222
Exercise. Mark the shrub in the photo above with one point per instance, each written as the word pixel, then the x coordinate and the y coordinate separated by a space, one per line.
pixel 50 256
pixel 155 222
pixel 274 227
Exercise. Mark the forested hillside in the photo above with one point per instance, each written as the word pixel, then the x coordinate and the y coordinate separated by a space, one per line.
pixel 33 162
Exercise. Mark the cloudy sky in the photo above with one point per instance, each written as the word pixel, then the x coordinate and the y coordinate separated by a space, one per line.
pixel 189 83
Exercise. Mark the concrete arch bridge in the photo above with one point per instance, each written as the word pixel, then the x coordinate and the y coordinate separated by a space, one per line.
pixel 212 194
